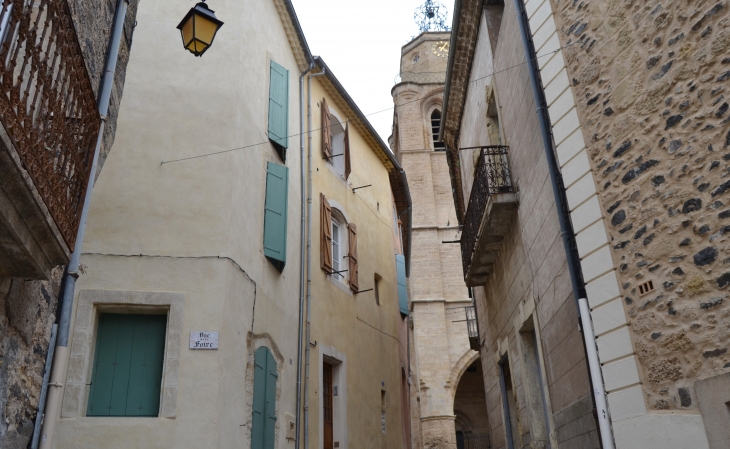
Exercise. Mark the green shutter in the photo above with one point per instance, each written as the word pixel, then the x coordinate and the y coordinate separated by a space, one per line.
pixel 279 106
pixel 263 423
pixel 400 264
pixel 277 185
pixel 128 366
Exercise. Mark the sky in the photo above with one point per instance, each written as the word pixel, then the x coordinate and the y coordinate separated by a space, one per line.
pixel 361 42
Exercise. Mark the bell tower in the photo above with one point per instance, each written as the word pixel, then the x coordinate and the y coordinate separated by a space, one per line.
pixel 440 350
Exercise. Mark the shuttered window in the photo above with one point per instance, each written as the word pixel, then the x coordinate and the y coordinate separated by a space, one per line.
pixel 127 373
pixel 325 235
pixel 352 256
pixel 263 422
pixel 348 167
pixel 277 185
pixel 279 107
pixel 326 131
pixel 400 264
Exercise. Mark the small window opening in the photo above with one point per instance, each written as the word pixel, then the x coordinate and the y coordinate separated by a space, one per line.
pixel 435 125
pixel 376 288
pixel 646 287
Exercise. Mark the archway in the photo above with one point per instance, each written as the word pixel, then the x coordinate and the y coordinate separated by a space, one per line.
pixel 470 409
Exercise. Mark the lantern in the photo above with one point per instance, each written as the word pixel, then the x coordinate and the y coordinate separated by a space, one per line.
pixel 198 28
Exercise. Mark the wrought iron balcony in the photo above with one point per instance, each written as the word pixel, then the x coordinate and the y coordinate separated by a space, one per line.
pixel 472 326
pixel 491 205
pixel 50 124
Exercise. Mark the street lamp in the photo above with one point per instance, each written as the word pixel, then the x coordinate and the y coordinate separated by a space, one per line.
pixel 198 28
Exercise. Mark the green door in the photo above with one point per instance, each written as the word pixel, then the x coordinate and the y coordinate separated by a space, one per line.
pixel 264 400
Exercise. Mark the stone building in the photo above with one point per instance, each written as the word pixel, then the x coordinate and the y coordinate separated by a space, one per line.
pixel 358 383
pixel 635 95
pixel 40 205
pixel 446 403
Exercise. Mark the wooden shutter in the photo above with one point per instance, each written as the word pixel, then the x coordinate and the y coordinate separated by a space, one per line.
pixel 326 132
pixel 352 256
pixel 325 237
pixel 347 152
pixel 279 105
pixel 264 400
pixel 275 211
pixel 127 374
pixel 400 265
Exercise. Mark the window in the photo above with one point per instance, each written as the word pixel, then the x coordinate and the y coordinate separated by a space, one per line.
pixel 383 404
pixel 338 245
pixel 435 125
pixel 376 288
pixel 275 211
pixel 335 142
pixel 127 373
pixel 263 422
pixel 400 265
pixel 279 108
pixel 509 403
pixel 336 258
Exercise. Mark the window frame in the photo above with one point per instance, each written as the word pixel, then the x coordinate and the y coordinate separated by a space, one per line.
pixel 342 241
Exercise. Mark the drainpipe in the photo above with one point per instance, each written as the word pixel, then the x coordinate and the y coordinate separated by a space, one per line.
pixel 309 258
pixel 60 358
pixel 566 230
pixel 301 254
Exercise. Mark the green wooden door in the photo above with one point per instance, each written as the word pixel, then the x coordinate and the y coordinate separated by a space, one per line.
pixel 264 400
pixel 127 372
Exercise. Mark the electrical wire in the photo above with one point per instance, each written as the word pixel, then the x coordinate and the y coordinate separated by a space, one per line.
pixel 366 115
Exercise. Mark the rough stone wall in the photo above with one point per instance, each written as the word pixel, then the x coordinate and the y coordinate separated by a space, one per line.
pixel 28 308
pixel 652 81
pixel 27 312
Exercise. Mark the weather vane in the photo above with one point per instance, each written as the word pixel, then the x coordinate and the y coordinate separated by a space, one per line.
pixel 431 16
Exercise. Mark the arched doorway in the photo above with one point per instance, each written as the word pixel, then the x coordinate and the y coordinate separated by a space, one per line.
pixel 470 408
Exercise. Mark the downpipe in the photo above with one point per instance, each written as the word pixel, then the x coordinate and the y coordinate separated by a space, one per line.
pixel 302 250
pixel 567 233
pixel 60 357
pixel 308 337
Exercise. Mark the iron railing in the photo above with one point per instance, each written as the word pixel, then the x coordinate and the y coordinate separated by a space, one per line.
pixel 473 441
pixel 47 104
pixel 472 326
pixel 421 77
pixel 492 177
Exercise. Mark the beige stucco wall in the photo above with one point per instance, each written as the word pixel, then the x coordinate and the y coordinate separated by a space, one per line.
pixel 195 228
pixel 367 340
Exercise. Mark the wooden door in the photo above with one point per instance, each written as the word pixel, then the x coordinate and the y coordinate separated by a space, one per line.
pixel 327 412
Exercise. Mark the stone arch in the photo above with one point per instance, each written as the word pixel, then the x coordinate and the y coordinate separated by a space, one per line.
pixel 469 357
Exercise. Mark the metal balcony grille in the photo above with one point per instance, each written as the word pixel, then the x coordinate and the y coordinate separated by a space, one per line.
pixel 491 177
pixel 472 327
pixel 47 105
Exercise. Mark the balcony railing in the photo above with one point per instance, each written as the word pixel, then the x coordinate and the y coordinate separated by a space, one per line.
pixel 472 326
pixel 421 77
pixel 475 441
pixel 47 104
pixel 492 177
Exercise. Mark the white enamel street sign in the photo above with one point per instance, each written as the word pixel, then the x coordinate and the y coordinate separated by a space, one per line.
pixel 203 340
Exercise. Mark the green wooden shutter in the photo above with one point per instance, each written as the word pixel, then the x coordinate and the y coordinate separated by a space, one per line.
pixel 277 185
pixel 279 105
pixel 128 366
pixel 400 264
pixel 271 378
pixel 263 423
